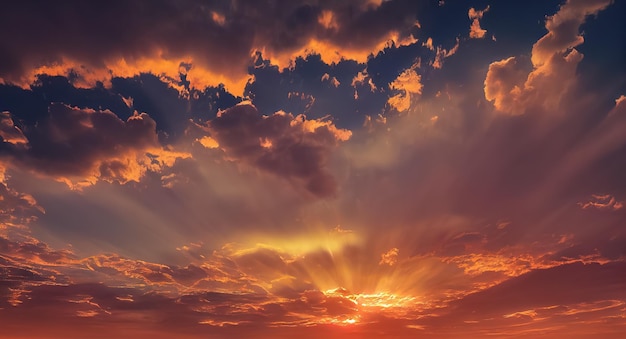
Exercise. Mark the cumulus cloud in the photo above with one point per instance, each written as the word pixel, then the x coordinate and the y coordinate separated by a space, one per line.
pixel 504 83
pixel 82 146
pixel 554 62
pixel 290 147
pixel 563 29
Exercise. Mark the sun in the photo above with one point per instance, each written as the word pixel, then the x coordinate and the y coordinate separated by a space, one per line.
pixel 350 321
pixel 378 300
pixel 367 305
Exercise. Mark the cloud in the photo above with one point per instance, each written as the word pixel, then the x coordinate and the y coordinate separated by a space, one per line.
pixel 171 108
pixel 160 39
pixel 390 257
pixel 293 148
pixel 362 79
pixel 476 32
pixel 602 202
pixel 504 83
pixel 298 89
pixel 333 81
pixel 82 146
pixel 560 285
pixel 29 251
pixel 545 87
pixel 572 300
pixel 442 53
pixel 408 85
pixel 554 63
pixel 16 208
pixel 563 29
pixel 222 291
pixel 10 133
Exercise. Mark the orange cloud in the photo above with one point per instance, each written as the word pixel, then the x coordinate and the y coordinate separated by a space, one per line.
pixel 231 289
pixel 442 53
pixel 602 202
pixel 504 84
pixel 475 264
pixel 563 29
pixel 554 62
pixel 476 32
pixel 333 81
pixel 409 86
pixel 9 132
pixel 333 53
pixel 168 69
pixel 390 257
pixel 328 21
pixel 429 44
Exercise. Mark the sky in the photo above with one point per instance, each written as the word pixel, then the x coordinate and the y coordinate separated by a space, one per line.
pixel 313 169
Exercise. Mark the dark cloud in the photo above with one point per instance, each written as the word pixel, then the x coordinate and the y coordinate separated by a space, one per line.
pixel 170 30
pixel 348 91
pixel 85 144
pixel 171 108
pixel 87 35
pixel 301 89
pixel 291 147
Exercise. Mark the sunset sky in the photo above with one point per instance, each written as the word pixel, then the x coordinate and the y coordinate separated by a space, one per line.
pixel 313 169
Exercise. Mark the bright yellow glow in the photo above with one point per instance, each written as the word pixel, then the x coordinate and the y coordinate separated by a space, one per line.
pixel 332 241
pixel 350 321
pixel 368 305
pixel 380 300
